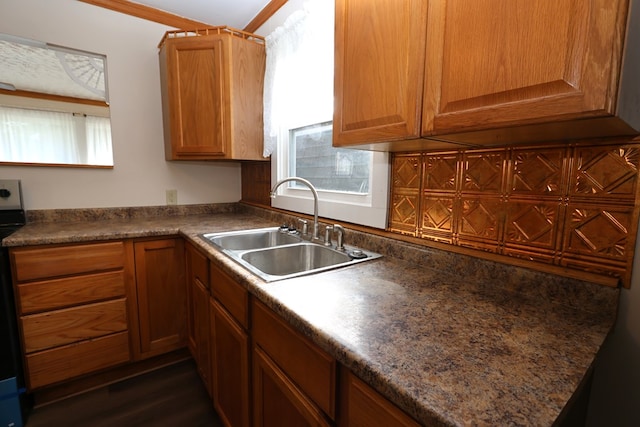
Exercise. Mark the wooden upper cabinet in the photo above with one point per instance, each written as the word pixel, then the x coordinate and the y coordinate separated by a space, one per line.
pixel 379 55
pixel 212 95
pixel 490 72
pixel 499 63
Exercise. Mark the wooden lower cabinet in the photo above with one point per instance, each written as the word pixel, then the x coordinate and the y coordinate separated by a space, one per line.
pixel 230 367
pixel 362 406
pixel 161 297
pixel 292 377
pixel 201 332
pixel 72 308
pixel 88 307
pixel 84 308
pixel 198 311
pixel 230 349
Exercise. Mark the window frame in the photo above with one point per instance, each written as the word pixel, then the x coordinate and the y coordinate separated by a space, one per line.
pixel 370 209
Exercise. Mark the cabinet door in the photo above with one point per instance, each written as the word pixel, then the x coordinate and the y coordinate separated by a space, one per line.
pixel 200 307
pixel 494 63
pixel 198 311
pixel 193 85
pixel 277 401
pixel 379 70
pixel 161 296
pixel 230 367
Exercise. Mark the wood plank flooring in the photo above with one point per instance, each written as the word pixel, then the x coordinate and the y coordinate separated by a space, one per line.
pixel 170 396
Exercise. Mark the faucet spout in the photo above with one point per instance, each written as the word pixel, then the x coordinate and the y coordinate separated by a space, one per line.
pixel 315 200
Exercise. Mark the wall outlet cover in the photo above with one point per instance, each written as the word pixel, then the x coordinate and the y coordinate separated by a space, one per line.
pixel 172 197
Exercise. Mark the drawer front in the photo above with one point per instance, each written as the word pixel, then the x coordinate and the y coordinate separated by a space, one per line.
pixel 34 297
pixel 231 295
pixel 47 262
pixel 62 363
pixel 61 327
pixel 311 368
pixel 199 265
pixel 363 406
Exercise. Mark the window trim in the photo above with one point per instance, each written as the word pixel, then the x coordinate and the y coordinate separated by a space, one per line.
pixel 370 210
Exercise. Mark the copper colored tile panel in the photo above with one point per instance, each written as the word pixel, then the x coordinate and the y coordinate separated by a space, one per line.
pixel 573 204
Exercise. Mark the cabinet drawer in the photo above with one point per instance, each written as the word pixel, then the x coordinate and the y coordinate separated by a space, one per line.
pixel 311 368
pixel 363 406
pixel 199 265
pixel 48 262
pixel 61 327
pixel 58 364
pixel 54 294
pixel 231 295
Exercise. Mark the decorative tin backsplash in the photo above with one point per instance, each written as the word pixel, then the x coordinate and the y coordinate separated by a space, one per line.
pixel 569 205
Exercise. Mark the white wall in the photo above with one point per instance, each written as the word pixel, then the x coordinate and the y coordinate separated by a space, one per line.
pixel 141 175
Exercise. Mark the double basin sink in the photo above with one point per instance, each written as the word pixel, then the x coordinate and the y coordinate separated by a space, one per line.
pixel 272 254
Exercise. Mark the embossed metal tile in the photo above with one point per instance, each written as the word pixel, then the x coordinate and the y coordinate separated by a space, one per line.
pixel 573 205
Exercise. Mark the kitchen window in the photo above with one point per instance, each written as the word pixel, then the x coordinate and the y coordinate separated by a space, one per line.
pixel 330 169
pixel 352 184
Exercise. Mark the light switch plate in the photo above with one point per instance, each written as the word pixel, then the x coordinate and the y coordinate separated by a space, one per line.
pixel 14 199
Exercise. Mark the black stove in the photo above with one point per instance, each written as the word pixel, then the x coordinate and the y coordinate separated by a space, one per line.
pixel 12 387
pixel 11 221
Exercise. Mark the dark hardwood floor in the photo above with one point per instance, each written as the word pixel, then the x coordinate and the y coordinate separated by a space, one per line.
pixel 170 396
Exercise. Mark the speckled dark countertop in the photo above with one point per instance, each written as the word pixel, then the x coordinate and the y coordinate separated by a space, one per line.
pixel 451 339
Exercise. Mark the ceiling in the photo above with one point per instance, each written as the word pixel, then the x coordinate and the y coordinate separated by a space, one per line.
pixel 233 13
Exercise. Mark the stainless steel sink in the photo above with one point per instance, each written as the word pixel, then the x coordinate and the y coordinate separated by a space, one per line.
pixel 251 239
pixel 294 259
pixel 273 255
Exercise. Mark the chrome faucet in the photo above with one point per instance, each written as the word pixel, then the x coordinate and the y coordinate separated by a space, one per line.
pixel 315 200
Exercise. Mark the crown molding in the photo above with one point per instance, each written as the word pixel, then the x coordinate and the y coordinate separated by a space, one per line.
pixel 151 14
pixel 266 13
pixel 148 13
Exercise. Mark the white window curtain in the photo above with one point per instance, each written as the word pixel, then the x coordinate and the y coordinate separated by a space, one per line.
pixel 298 87
pixel 35 136
pixel 98 137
